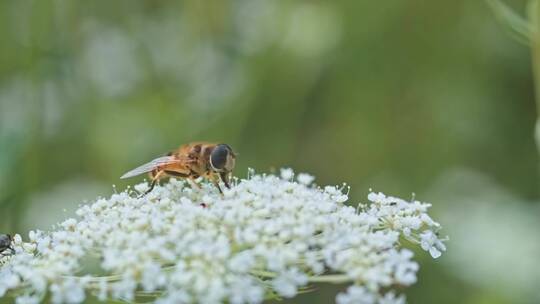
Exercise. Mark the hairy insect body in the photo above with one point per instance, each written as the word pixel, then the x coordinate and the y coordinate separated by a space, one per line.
pixel 198 159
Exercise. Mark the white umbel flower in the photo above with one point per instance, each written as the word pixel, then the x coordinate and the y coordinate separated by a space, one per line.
pixel 268 236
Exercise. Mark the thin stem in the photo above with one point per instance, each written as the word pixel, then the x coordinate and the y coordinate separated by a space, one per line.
pixel 328 278
pixel 516 25
pixel 534 19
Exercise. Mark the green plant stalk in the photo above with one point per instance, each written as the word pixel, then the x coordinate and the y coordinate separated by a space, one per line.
pixel 328 278
pixel 516 26
pixel 533 11
pixel 526 31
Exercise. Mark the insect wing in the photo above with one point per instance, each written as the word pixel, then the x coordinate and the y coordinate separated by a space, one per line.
pixel 154 164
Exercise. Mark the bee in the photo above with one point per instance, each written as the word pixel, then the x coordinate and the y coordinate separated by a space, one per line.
pixel 6 242
pixel 198 159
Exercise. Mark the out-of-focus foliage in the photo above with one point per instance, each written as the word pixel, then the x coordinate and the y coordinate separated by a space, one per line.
pixel 392 95
pixel 517 26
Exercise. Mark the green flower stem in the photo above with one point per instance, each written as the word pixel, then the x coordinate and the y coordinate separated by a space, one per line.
pixel 534 24
pixel 328 278
pixel 527 31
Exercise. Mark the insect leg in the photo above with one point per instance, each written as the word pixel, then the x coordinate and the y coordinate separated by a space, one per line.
pixel 4 254
pixel 155 178
pixel 190 178
pixel 218 187
pixel 225 178
pixel 215 181
pixel 192 181
pixel 10 247
pixel 152 185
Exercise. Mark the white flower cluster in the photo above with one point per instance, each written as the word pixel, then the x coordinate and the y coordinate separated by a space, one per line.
pixel 266 237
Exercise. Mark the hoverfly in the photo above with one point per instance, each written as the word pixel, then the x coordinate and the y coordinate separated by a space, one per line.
pixel 6 242
pixel 198 159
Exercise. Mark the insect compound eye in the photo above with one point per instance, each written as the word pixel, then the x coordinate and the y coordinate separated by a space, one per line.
pixel 218 158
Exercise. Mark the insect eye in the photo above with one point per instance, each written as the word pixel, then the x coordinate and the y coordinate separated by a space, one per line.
pixel 218 158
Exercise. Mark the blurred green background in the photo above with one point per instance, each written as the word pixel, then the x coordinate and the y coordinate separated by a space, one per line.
pixel 431 97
